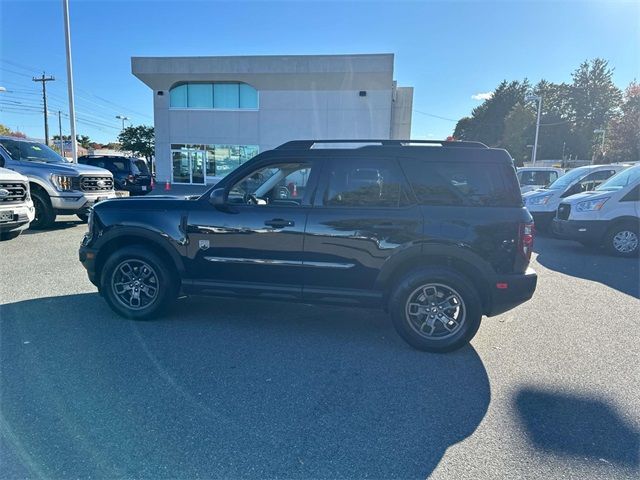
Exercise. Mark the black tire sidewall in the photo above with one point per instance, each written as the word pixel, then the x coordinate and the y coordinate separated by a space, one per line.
pixel 447 277
pixel 167 290
pixel 83 217
pixel 44 212
pixel 612 233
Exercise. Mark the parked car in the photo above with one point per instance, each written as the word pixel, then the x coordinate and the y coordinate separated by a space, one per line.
pixel 532 178
pixel 543 202
pixel 16 207
pixel 436 235
pixel 129 174
pixel 608 215
pixel 57 186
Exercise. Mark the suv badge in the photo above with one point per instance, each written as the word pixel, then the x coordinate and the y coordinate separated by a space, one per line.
pixel 203 244
pixel 101 183
pixel 4 192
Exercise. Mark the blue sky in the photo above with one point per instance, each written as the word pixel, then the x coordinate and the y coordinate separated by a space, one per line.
pixel 449 51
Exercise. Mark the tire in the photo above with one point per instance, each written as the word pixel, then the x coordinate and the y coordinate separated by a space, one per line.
pixel 623 240
pixel 45 215
pixel 417 288
pixel 136 260
pixel 9 235
pixel 84 218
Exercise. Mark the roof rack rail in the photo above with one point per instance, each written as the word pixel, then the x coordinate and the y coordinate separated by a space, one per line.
pixel 308 144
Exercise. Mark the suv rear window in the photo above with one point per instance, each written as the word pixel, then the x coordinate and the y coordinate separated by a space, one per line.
pixel 139 166
pixel 463 183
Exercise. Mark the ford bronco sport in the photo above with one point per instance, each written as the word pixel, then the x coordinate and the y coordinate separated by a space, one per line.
pixel 434 232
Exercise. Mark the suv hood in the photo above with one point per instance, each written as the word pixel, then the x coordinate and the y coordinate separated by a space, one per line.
pixel 74 169
pixel 10 175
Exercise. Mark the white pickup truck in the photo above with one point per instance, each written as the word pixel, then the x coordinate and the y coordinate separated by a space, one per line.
pixel 16 207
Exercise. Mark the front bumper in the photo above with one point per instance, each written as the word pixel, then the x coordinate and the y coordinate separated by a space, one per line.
pixel 87 257
pixel 23 214
pixel 79 202
pixel 586 231
pixel 509 291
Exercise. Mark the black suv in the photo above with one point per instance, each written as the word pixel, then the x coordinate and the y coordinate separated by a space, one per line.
pixel 434 232
pixel 130 174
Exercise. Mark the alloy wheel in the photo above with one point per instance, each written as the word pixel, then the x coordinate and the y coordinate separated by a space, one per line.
pixel 435 311
pixel 134 284
pixel 625 241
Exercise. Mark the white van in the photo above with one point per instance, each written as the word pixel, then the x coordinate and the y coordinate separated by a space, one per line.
pixel 543 202
pixel 16 206
pixel 609 215
pixel 532 178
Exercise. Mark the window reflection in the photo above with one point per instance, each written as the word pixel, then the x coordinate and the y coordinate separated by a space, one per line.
pixel 219 95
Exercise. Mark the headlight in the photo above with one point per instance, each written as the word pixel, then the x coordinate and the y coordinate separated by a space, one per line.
pixel 541 200
pixel 64 183
pixel 591 205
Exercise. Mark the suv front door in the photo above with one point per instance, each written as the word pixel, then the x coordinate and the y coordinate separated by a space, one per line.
pixel 255 241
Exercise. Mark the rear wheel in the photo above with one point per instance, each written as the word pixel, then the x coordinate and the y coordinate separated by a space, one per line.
pixel 44 215
pixel 623 240
pixel 435 310
pixel 137 283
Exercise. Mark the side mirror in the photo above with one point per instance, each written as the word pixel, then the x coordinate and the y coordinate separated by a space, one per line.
pixel 218 197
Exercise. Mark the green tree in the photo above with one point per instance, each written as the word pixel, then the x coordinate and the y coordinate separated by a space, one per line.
pixel 4 130
pixel 518 122
pixel 623 134
pixel 594 100
pixel 139 140
pixel 555 137
pixel 84 141
pixel 486 123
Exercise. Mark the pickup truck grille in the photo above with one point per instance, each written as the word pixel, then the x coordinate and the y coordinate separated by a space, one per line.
pixel 12 192
pixel 96 183
pixel 563 211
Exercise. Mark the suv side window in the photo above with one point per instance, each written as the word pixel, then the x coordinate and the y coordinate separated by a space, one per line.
pixel 594 179
pixel 462 183
pixel 365 183
pixel 283 184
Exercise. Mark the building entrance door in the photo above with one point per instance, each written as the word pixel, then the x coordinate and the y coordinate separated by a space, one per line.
pixel 189 166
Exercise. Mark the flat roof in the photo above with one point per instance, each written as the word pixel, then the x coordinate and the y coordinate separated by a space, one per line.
pixel 267 72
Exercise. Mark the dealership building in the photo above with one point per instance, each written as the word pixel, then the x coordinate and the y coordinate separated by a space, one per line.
pixel 213 113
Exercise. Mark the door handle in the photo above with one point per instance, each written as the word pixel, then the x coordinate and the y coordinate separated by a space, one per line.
pixel 279 223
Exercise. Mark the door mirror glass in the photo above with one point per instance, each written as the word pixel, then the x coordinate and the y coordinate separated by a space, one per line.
pixel 218 197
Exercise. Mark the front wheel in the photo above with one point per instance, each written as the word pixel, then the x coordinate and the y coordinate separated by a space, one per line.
pixel 435 310
pixel 622 240
pixel 44 215
pixel 137 283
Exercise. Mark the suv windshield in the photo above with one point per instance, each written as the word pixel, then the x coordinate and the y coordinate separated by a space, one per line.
pixel 621 180
pixel 567 179
pixel 31 152
pixel 537 177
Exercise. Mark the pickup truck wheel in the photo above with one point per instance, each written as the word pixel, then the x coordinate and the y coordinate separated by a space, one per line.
pixel 435 309
pixel 137 284
pixel 84 218
pixel 44 215
pixel 623 240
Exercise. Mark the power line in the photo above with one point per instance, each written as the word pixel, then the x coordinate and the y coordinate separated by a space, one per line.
pixel 44 79
pixel 435 116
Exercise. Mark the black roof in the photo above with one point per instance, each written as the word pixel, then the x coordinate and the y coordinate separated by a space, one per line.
pixel 308 144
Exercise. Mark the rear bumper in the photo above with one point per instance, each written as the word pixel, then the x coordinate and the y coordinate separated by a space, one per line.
pixel 509 291
pixel 591 231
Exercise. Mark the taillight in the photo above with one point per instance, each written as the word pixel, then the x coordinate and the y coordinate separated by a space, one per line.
pixel 525 243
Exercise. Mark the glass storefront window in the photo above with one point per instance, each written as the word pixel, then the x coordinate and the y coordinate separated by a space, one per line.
pixel 248 96
pixel 178 96
pixel 197 163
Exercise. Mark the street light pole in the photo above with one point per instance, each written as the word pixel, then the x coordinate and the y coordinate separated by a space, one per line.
pixel 72 109
pixel 123 118
pixel 535 142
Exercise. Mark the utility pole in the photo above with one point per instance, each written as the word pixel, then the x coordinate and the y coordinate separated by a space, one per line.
pixel 123 118
pixel 60 132
pixel 72 108
pixel 44 81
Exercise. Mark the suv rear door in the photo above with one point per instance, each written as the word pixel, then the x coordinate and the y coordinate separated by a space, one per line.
pixel 363 213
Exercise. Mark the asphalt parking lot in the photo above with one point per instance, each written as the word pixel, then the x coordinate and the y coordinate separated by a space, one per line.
pixel 251 389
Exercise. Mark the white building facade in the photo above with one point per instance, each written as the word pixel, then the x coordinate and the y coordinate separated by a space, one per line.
pixel 213 113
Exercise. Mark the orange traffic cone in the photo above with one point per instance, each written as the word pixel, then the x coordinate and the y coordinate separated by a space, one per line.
pixel 167 186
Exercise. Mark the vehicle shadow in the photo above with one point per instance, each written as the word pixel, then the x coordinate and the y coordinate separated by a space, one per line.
pixel 577 426
pixel 223 388
pixel 573 259
pixel 65 223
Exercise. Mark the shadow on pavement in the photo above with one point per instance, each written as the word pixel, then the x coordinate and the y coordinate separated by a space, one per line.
pixel 225 388
pixel 573 259
pixel 582 427
pixel 67 222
